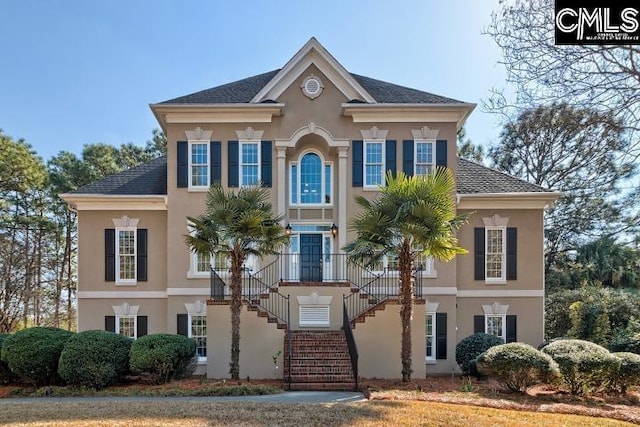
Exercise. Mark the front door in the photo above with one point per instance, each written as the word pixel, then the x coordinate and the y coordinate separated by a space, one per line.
pixel 311 257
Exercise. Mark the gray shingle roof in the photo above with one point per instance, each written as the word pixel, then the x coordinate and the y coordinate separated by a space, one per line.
pixel 146 179
pixel 389 93
pixel 242 91
pixel 151 179
pixel 473 178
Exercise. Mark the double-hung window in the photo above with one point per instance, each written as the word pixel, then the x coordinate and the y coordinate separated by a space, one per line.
pixel 127 326
pixel 126 254
pixel 496 325
pixel 495 254
pixel 423 156
pixel 198 164
pixel 249 163
pixel 430 336
pixel 374 162
pixel 198 331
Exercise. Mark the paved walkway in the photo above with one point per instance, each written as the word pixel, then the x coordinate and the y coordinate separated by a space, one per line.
pixel 286 397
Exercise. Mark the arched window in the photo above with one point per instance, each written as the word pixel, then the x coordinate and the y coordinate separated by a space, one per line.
pixel 310 181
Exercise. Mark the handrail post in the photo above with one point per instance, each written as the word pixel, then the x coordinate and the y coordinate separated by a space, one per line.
pixel 351 342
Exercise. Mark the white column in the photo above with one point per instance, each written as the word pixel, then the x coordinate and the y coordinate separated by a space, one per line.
pixel 282 179
pixel 342 196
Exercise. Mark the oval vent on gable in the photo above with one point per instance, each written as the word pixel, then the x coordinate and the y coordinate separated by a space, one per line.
pixel 312 86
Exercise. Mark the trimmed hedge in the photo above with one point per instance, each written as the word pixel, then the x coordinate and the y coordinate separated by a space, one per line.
pixel 95 359
pixel 585 366
pixel 629 373
pixel 469 348
pixel 160 358
pixel 517 366
pixel 33 354
pixel 6 376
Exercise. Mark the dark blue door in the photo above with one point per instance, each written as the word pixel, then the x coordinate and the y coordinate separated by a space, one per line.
pixel 311 257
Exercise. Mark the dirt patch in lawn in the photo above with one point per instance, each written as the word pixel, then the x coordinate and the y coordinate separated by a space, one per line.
pixel 487 393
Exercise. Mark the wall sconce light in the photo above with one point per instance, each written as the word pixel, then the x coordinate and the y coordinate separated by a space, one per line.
pixel 287 230
pixel 334 230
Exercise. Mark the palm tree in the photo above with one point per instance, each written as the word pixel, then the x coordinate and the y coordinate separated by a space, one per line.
pixel 235 226
pixel 411 216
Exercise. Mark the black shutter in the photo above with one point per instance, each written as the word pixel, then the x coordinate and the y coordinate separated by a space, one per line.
pixel 110 323
pixel 441 153
pixel 183 164
pixel 234 167
pixel 390 154
pixel 512 253
pixel 109 255
pixel 183 324
pixel 265 158
pixel 512 325
pixel 441 335
pixel 215 156
pixel 142 326
pixel 478 324
pixel 407 157
pixel 356 163
pixel 141 255
pixel 478 251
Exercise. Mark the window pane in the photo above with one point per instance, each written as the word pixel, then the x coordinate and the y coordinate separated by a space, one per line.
pixel 424 158
pixel 494 256
pixel 249 164
pixel 220 262
pixel 494 326
pixel 126 254
pixel 327 184
pixel 311 179
pixel 374 164
pixel 199 164
pixel 127 326
pixel 294 184
pixel 429 335
pixel 199 333
pixel 203 263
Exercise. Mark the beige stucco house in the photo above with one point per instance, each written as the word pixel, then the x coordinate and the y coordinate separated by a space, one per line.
pixel 316 135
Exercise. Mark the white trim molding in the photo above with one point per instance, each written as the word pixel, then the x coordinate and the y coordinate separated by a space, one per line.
pixel 425 133
pixel 198 134
pixel 249 134
pixel 102 202
pixel 125 309
pixel 198 307
pixel 188 292
pixel 374 133
pixel 408 113
pixel 501 293
pixel 439 290
pixel 495 309
pixel 495 221
pixel 122 294
pixel 495 201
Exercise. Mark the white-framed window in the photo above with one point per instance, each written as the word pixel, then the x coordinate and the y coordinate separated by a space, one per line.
pixel 199 164
pixel 198 331
pixel 127 326
pixel 310 180
pixel 430 336
pixel 126 254
pixel 423 157
pixel 495 254
pixel 374 162
pixel 496 324
pixel 389 264
pixel 249 163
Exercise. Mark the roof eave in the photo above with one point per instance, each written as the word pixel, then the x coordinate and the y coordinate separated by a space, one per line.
pixel 88 202
pixel 512 200
pixel 457 112
pixel 215 113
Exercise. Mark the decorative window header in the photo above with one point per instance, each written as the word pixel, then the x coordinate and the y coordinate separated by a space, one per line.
pixel 198 134
pixel 425 133
pixel 495 221
pixel 125 309
pixel 125 222
pixel 495 309
pixel 374 133
pixel 249 134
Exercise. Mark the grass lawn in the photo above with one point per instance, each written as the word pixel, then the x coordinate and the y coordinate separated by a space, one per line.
pixel 371 413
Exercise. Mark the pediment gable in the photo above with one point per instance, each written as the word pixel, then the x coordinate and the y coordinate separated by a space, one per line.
pixel 313 53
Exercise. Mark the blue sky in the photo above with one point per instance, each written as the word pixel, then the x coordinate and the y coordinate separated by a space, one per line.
pixel 75 71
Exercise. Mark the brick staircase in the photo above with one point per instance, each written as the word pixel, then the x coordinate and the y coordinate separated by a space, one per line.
pixel 319 361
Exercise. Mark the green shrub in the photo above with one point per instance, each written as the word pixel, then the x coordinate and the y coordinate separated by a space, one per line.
pixel 159 358
pixel 6 376
pixel 585 366
pixel 517 366
pixel 472 346
pixel 95 359
pixel 33 353
pixel 629 373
